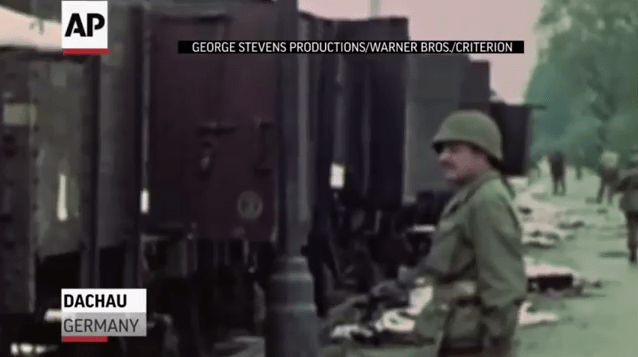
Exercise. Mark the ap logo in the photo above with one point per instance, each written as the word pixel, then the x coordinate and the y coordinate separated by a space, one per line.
pixel 85 27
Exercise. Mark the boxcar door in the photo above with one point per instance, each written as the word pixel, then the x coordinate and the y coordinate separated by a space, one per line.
pixel 375 86
pixel 212 125
pixel 514 122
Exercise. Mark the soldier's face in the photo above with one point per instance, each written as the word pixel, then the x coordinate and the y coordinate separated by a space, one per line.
pixel 461 162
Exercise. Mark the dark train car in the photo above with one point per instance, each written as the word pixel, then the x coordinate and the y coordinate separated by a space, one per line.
pixel 214 149
pixel 512 120
pixel 434 91
pixel 369 136
pixel 475 89
pixel 361 130
pixel 18 296
pixel 212 134
pixel 515 123
pixel 51 104
pixel 62 95
pixel 212 145
pixel 373 113
pixel 58 95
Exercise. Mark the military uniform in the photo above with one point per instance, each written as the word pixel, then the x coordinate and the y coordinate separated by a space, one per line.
pixel 478 242
pixel 479 239
pixel 628 185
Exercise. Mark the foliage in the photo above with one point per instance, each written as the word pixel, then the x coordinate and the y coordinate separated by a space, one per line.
pixel 550 124
pixel 547 88
pixel 593 47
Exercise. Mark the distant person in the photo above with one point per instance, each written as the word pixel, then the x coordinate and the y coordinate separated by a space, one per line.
pixel 628 185
pixel 608 171
pixel 580 162
pixel 557 169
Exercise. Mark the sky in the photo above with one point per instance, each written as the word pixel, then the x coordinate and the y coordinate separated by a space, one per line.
pixel 460 20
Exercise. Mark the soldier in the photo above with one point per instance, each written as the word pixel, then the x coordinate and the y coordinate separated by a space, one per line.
pixel 476 261
pixel 608 172
pixel 628 185
pixel 557 169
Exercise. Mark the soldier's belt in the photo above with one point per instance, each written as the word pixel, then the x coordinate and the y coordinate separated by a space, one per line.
pixel 463 291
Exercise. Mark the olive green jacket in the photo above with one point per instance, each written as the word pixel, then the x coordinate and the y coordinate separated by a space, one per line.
pixel 479 238
pixel 628 185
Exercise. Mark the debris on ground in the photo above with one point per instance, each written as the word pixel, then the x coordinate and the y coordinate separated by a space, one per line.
pixel 539 241
pixel 542 229
pixel 556 279
pixel 542 277
pixel 533 209
pixel 349 330
pixel 571 222
pixel 394 320
pixel 528 317
pixel 545 224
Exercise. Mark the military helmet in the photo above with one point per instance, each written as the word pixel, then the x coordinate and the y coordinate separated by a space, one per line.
pixel 471 127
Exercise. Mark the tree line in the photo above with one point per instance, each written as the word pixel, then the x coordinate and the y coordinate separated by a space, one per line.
pixel 587 77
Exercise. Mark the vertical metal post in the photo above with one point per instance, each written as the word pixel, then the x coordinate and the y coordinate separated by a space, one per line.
pixel 5 335
pixel 90 249
pixel 136 23
pixel 293 326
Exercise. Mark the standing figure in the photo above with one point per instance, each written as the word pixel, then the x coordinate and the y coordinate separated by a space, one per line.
pixel 628 185
pixel 557 169
pixel 476 260
pixel 608 171
pixel 580 162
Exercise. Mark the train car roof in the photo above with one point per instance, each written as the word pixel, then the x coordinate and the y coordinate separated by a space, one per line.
pixel 19 31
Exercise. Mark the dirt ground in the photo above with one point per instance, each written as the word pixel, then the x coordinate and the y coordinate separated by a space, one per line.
pixel 605 324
